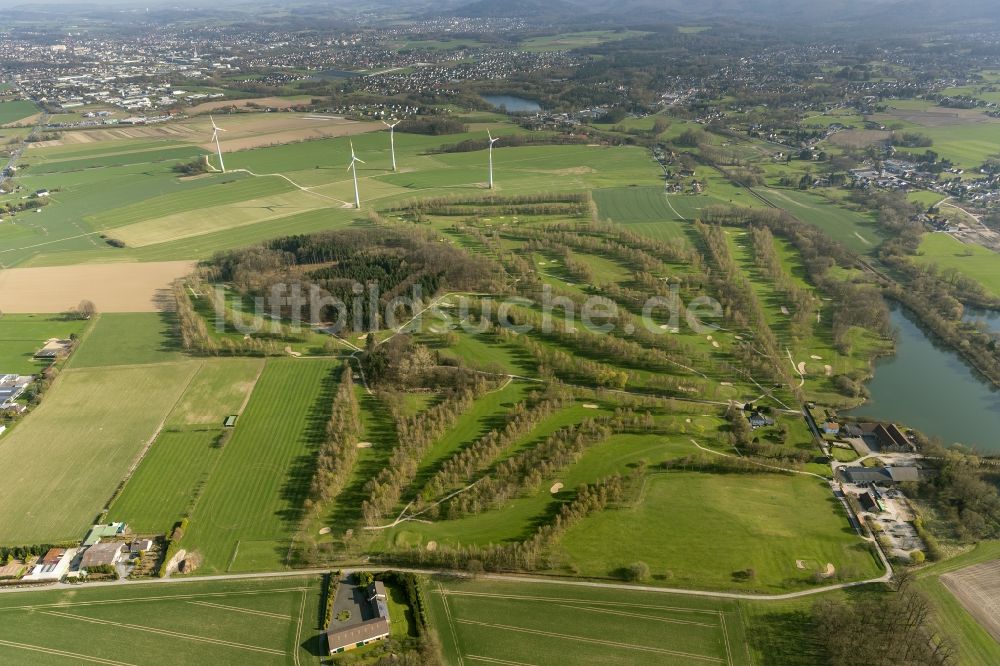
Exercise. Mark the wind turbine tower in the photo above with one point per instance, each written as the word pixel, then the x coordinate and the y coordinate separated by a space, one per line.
pixel 492 141
pixel 392 141
pixel 353 168
pixel 215 137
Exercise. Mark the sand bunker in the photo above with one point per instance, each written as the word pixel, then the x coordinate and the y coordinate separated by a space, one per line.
pixel 816 358
pixel 291 352
pixel 432 546
pixel 325 530
pixel 802 367
pixel 556 487
pixel 590 405
pixel 364 445
pixel 829 370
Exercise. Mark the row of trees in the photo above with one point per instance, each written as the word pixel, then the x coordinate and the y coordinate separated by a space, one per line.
pixel 742 307
pixel 339 450
pixel 414 435
pixel 526 470
pixel 477 457
pixel 523 555
pixel 888 629
pixel 800 300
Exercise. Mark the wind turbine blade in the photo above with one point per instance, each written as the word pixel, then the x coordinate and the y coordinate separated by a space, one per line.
pixel 358 159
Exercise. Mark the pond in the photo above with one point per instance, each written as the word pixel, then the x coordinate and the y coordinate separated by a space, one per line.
pixel 930 388
pixel 513 104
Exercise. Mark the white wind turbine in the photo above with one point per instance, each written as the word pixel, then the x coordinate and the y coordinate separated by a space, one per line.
pixel 354 169
pixel 492 141
pixel 392 141
pixel 215 137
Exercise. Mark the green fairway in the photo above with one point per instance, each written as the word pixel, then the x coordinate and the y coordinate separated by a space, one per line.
pixel 251 505
pixel 272 621
pixel 22 335
pixel 973 261
pixel 128 339
pixel 761 522
pixel 12 111
pixel 547 624
pixel 64 461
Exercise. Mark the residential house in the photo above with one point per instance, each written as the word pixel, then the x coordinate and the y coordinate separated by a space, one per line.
pixel 831 428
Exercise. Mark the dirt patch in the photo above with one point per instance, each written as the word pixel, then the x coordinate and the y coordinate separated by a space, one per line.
pixel 573 171
pixel 122 287
pixel 941 117
pixel 556 487
pixel 858 139
pixel 977 588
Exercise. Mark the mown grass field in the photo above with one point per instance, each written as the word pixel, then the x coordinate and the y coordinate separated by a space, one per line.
pixel 972 261
pixel 250 506
pixel 543 624
pixel 23 335
pixel 760 522
pixel 272 621
pixel 64 461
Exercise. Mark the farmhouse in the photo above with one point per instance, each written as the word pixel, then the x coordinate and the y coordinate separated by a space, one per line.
pixel 53 565
pixel 140 546
pixel 831 428
pixel 11 388
pixel 889 438
pixel 375 628
pixel 884 475
pixel 103 555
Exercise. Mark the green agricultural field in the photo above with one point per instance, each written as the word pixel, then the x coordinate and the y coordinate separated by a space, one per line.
pixel 973 643
pixel 853 230
pixel 21 335
pixel 251 505
pixel 221 388
pixel 575 40
pixel 165 485
pixel 972 261
pixel 268 621
pixel 168 482
pixel 767 523
pixel 128 339
pixel 548 624
pixel 217 190
pixel 12 111
pixel 63 463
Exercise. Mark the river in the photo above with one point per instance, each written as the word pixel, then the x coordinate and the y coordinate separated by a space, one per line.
pixel 513 104
pixel 930 388
pixel 989 317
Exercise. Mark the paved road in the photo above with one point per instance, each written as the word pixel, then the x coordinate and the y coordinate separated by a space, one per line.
pixel 511 578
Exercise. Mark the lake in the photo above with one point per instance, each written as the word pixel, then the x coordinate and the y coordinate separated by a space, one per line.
pixel 930 388
pixel 989 317
pixel 513 104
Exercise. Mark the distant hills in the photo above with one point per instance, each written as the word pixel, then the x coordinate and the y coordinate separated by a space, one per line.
pixel 866 14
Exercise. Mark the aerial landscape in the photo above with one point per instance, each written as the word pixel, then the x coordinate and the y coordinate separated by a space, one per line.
pixel 521 332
